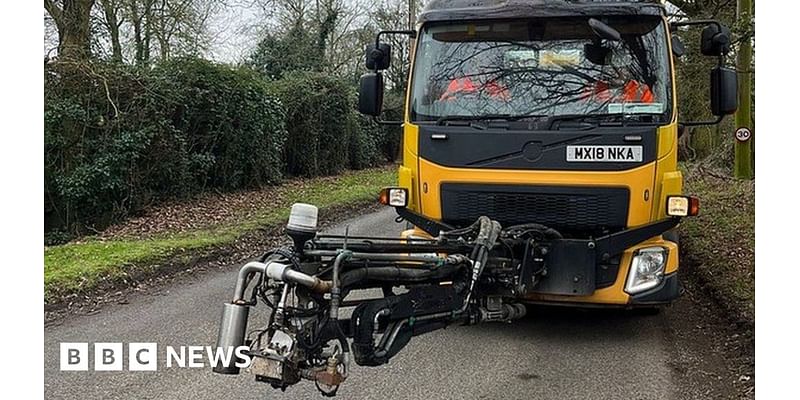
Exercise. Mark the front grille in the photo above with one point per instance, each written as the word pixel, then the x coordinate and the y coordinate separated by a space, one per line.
pixel 565 208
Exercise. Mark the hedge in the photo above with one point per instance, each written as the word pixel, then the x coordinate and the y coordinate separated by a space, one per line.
pixel 119 138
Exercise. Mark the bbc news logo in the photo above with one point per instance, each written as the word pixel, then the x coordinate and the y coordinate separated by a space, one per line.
pixel 145 356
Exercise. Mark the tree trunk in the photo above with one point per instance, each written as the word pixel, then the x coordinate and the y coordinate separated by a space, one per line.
pixel 116 47
pixel 73 24
pixel 162 34
pixel 136 21
pixel 148 30
pixel 163 45
pixel 137 39
pixel 141 20
pixel 113 22
pixel 743 154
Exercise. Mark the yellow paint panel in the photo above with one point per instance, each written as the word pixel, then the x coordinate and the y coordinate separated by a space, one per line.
pixel 405 179
pixel 667 139
pixel 669 180
pixel 671 184
pixel 409 166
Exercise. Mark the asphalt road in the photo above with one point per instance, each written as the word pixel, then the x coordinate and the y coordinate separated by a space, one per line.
pixel 548 355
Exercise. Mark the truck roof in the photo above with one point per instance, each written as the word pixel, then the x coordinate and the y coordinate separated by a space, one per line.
pixel 461 10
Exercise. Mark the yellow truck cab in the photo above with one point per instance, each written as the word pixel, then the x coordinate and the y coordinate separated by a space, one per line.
pixel 561 115
pixel 539 165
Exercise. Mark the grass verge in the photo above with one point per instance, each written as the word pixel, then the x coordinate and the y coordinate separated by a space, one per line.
pixel 719 244
pixel 80 266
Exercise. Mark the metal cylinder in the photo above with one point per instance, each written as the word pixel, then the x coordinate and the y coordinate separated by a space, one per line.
pixel 283 273
pixel 232 329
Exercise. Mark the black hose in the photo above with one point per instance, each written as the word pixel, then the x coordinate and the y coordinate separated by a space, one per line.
pixel 354 276
pixel 548 232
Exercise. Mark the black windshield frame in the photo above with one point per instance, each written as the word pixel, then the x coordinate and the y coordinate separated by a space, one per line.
pixel 657 50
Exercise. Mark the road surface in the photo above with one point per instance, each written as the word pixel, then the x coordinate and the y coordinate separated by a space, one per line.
pixel 547 355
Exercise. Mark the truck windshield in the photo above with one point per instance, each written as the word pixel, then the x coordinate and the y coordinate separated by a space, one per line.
pixel 542 68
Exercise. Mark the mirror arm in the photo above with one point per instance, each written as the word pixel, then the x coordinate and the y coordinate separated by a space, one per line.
pixel 673 25
pixel 411 34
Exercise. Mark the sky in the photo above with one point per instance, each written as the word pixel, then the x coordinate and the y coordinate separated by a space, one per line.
pixel 234 31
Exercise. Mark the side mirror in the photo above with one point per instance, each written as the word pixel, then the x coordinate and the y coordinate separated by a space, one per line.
pixel 715 40
pixel 370 94
pixel 378 58
pixel 724 91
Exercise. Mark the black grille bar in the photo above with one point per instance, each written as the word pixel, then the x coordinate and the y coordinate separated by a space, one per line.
pixel 565 208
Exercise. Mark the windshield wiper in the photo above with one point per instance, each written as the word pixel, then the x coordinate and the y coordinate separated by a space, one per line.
pixel 618 118
pixel 486 117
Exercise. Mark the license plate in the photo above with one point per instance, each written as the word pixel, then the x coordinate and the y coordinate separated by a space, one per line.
pixel 604 153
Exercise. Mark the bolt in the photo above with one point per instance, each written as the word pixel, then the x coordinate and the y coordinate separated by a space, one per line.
pixel 591 245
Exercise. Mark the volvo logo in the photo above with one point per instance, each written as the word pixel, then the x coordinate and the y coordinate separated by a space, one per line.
pixel 532 151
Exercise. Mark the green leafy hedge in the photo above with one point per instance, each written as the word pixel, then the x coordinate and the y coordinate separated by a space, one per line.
pixel 118 138
pixel 317 112
pixel 234 121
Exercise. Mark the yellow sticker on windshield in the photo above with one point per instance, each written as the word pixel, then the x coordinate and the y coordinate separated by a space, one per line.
pixel 559 58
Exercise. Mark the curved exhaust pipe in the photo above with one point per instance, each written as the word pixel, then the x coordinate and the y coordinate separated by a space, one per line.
pixel 233 325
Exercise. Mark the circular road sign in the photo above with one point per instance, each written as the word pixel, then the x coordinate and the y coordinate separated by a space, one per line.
pixel 743 134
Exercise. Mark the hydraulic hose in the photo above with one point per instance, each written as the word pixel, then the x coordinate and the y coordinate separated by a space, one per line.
pixel 357 275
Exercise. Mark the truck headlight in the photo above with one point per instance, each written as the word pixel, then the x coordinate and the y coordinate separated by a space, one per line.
pixel 682 206
pixel 647 269
pixel 396 197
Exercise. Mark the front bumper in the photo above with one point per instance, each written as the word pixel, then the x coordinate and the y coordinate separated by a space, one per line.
pixel 574 265
pixel 667 292
pixel 664 293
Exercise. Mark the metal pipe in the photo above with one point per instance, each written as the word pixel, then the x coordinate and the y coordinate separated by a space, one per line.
pixel 336 290
pixel 372 238
pixel 232 329
pixel 380 256
pixel 375 323
pixel 278 272
pixel 241 282
pixel 284 273
pixel 392 247
pixel 281 305
pixel 384 347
